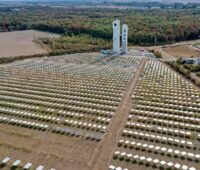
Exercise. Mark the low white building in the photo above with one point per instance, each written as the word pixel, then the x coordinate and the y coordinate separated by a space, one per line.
pixel 191 61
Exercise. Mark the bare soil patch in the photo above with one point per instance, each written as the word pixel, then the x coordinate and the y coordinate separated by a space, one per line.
pixel 21 43
pixel 22 145
pixel 182 51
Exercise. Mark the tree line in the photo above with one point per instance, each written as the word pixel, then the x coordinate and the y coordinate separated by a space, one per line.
pixel 149 27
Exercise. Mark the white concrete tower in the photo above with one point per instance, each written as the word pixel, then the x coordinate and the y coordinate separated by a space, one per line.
pixel 124 38
pixel 116 36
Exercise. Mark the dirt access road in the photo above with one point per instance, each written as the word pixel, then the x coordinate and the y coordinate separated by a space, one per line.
pixel 104 151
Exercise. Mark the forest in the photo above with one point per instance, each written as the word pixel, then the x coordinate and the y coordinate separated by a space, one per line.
pixel 93 25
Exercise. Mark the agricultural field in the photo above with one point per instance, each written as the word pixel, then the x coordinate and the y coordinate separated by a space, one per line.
pixel 84 111
pixel 184 51
pixel 21 43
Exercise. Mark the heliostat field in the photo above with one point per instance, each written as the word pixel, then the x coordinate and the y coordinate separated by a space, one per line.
pixel 87 112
